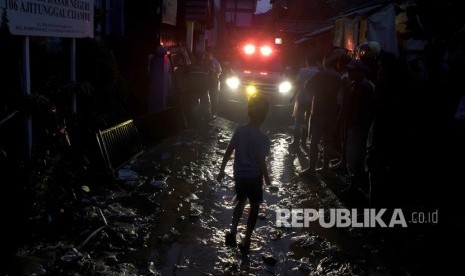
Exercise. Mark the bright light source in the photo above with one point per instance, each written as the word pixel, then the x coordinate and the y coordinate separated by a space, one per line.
pixel 251 90
pixel 285 87
pixel 247 72
pixel 278 41
pixel 233 82
pixel 264 73
pixel 249 49
pixel 266 50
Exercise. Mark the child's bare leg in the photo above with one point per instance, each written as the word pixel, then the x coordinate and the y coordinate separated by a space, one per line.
pixel 237 214
pixel 251 221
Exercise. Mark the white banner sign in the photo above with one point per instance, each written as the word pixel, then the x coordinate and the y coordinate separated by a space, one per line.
pixel 54 18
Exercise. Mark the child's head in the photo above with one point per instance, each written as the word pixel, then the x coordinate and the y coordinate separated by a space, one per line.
pixel 257 108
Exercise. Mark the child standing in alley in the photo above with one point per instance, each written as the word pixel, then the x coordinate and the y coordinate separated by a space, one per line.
pixel 251 146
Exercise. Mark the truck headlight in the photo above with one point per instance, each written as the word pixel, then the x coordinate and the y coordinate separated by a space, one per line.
pixel 233 82
pixel 285 87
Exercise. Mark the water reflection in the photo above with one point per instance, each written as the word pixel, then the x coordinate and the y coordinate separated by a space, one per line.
pixel 209 206
pixel 169 215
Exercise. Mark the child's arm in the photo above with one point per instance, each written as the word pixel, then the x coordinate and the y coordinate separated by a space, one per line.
pixel 264 170
pixel 226 157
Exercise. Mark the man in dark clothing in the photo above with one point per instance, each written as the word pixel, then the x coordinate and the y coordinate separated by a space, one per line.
pixel 214 89
pixel 359 115
pixel 198 76
pixel 325 86
pixel 387 145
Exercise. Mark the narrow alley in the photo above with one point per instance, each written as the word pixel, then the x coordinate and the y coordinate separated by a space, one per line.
pixel 167 215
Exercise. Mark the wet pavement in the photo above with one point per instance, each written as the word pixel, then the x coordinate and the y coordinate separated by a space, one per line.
pixel 167 215
pixel 189 236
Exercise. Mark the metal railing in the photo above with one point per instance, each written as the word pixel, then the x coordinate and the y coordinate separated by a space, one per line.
pixel 119 145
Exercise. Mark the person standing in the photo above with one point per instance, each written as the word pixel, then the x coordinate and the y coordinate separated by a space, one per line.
pixel 359 117
pixel 325 86
pixel 385 162
pixel 303 102
pixel 341 129
pixel 197 84
pixel 251 146
pixel 214 88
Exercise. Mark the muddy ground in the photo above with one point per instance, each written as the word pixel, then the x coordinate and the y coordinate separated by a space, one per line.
pixel 167 215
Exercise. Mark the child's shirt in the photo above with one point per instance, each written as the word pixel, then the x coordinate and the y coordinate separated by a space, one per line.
pixel 249 144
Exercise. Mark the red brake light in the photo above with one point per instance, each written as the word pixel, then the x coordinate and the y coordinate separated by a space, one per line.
pixel 249 49
pixel 266 50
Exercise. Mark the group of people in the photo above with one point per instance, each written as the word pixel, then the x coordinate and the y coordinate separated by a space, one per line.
pixel 340 106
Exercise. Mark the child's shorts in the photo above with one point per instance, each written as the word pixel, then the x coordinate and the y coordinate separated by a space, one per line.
pixel 251 188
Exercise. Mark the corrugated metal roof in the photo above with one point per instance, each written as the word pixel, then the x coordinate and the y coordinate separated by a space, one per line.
pixel 358 11
pixel 297 26
pixel 311 35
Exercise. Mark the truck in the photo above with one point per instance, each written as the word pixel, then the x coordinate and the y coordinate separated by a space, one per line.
pixel 256 68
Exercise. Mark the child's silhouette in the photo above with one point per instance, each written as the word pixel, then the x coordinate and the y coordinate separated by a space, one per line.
pixel 251 146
